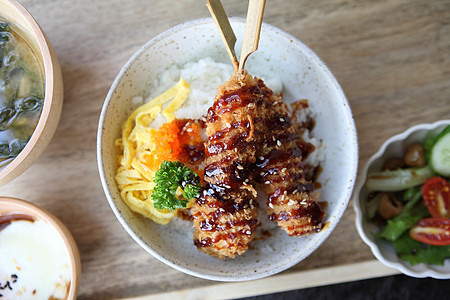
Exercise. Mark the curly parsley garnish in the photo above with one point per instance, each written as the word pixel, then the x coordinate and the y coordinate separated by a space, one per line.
pixel 171 176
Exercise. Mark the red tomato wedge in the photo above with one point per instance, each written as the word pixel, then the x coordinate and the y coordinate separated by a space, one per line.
pixel 436 196
pixel 432 231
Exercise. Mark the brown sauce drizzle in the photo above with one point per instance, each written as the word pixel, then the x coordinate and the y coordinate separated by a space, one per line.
pixel 231 174
pixel 194 147
pixel 323 204
pixel 307 148
pixel 299 105
pixel 311 210
pixel 207 242
pixel 236 100
pixel 301 188
pixel 276 156
pixel 196 153
pixel 212 223
pixel 276 161
pixel 283 137
pixel 278 121
pixel 225 203
pixel 7 219
pixel 215 168
pixel 236 141
pixel 221 133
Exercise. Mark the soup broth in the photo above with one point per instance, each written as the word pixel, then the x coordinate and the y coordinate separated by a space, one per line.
pixel 21 92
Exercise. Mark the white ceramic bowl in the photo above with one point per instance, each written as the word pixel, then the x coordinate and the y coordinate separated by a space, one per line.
pixel 383 250
pixel 303 75
pixel 13 12
pixel 18 206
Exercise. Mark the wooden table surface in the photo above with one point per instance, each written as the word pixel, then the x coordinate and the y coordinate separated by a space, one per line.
pixel 392 59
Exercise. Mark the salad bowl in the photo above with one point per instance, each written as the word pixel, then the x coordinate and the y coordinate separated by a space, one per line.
pixel 368 230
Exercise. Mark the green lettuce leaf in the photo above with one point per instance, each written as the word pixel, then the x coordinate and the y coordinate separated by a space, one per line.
pixel 411 214
pixel 405 244
pixel 415 252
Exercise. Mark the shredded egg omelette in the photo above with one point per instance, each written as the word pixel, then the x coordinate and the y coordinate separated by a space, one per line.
pixel 135 174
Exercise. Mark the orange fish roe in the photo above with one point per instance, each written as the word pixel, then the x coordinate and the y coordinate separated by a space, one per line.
pixel 170 141
pixel 190 134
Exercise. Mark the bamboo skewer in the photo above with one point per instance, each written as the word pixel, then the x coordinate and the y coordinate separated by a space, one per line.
pixel 252 30
pixel 220 18
pixel 251 34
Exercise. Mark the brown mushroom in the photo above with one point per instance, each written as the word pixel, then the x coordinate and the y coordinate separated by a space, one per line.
pixel 394 164
pixel 415 156
pixel 389 206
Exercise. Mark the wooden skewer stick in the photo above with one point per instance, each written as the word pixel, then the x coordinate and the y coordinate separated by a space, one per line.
pixel 220 18
pixel 252 30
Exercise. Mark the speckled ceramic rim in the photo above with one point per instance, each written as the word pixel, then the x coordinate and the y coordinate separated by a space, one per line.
pixel 13 205
pixel 357 203
pixel 135 236
pixel 50 109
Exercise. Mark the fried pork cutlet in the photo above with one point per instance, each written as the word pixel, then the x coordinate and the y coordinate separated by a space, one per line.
pixel 251 137
pixel 290 198
pixel 225 216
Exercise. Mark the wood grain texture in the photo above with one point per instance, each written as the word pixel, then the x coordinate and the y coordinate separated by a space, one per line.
pixel 392 59
pixel 278 283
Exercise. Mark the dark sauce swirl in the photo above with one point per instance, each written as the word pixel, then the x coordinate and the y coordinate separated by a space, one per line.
pixel 7 219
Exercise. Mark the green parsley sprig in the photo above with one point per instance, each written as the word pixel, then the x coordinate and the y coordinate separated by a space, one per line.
pixel 171 176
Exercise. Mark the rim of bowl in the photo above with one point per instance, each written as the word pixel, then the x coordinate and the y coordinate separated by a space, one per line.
pixel 357 203
pixel 101 169
pixel 48 64
pixel 19 205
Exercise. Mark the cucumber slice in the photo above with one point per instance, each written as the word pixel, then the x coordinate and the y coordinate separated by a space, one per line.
pixel 398 180
pixel 440 153
pixel 429 140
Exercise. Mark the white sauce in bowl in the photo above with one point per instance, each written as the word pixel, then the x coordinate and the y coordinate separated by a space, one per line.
pixel 34 262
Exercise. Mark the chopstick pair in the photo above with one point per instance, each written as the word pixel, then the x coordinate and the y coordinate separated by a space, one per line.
pixel 251 34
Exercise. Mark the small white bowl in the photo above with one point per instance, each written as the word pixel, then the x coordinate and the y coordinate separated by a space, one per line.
pixel 18 206
pixel 304 76
pixel 383 250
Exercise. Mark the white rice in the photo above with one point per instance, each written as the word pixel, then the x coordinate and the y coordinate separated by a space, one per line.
pixel 318 155
pixel 204 77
